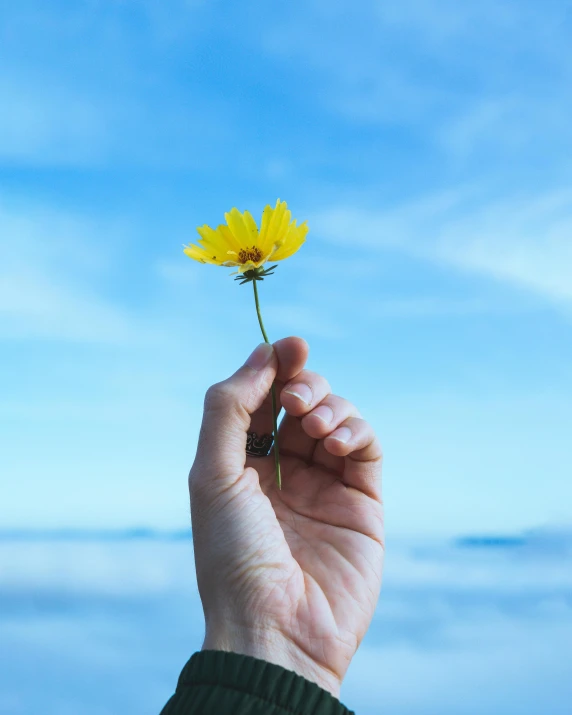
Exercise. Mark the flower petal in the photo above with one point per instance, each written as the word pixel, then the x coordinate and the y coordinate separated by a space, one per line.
pixel 217 238
pixel 199 254
pixel 239 228
pixel 230 240
pixel 279 238
pixel 269 216
pixel 252 229
pixel 294 238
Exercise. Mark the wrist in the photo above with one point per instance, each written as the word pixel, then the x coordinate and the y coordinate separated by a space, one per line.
pixel 273 648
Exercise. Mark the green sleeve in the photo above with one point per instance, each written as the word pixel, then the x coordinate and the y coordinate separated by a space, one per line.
pixel 216 682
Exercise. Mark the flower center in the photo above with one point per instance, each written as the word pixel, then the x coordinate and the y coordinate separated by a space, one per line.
pixel 253 254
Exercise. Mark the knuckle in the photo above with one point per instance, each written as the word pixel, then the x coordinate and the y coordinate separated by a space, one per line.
pixel 217 396
pixel 315 380
pixel 377 450
pixel 222 399
pixel 323 384
pixel 337 400
pixel 341 406
pixel 311 375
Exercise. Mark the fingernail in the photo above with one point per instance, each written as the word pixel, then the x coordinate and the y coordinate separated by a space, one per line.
pixel 260 357
pixel 325 413
pixel 343 434
pixel 302 392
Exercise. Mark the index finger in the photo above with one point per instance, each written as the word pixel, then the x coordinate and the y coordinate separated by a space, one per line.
pixel 291 354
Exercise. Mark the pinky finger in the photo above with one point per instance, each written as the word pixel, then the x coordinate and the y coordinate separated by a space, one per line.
pixel 355 439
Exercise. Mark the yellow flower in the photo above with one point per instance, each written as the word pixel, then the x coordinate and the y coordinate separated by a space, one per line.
pixel 240 244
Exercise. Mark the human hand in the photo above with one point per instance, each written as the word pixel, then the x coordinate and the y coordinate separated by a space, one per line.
pixel 289 576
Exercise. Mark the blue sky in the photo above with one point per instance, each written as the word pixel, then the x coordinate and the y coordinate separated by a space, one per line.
pixel 427 143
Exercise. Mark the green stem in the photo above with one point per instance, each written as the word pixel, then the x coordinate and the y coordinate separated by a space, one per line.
pixel 273 391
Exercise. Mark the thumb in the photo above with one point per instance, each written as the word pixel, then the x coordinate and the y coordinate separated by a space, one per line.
pixel 221 451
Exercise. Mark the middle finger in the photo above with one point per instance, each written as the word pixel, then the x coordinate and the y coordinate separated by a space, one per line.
pixel 300 396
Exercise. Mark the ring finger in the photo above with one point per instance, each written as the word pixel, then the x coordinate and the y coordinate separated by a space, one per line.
pixel 328 415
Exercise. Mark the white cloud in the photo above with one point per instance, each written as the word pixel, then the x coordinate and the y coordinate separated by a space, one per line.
pixel 51 121
pixel 487 119
pixel 509 122
pixel 32 305
pixel 436 22
pixel 524 241
pixel 90 85
pixel 462 78
pixel 45 124
pixel 48 286
pixel 383 228
pixel 351 62
pixel 430 306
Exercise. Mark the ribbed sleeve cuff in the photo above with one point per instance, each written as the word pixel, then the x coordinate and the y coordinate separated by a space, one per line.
pixel 272 683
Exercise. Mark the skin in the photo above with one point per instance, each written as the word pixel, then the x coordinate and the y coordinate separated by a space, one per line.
pixel 292 576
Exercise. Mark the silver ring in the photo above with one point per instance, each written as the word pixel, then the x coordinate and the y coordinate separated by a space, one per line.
pixel 258 446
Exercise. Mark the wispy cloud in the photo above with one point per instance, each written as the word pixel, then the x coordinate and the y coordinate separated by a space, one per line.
pixel 434 306
pixel 94 111
pixel 468 80
pixel 49 262
pixel 54 123
pixel 523 241
pixel 34 306
pixel 45 125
